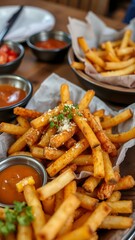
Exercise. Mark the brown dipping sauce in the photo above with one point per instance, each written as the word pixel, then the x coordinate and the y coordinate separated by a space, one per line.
pixel 10 95
pixel 12 175
pixel 51 44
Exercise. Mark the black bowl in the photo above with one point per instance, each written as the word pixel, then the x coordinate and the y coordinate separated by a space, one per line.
pixel 52 55
pixel 10 67
pixel 110 93
pixel 6 113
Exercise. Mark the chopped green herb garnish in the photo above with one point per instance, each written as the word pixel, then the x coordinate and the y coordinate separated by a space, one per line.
pixel 21 213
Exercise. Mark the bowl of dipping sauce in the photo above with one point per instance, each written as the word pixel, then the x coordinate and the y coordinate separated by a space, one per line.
pixel 12 170
pixel 11 55
pixel 50 46
pixel 14 91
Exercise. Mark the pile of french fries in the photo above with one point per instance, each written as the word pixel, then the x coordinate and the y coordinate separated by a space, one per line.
pixel 111 58
pixel 69 140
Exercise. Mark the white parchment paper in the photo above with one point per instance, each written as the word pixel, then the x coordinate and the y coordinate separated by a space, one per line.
pixel 47 97
pixel 95 31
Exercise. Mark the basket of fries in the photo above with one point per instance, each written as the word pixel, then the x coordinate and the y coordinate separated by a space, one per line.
pixel 103 58
pixel 76 136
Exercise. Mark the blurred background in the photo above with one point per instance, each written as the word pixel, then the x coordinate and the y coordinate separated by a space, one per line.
pixel 116 9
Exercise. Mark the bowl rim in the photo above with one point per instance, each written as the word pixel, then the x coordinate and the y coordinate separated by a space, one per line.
pixel 25 159
pixel 28 95
pixel 81 74
pixel 19 57
pixel 48 33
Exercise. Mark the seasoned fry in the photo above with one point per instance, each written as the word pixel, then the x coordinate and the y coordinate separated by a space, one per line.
pixel 24 232
pixel 98 162
pixel 67 157
pixel 23 122
pixel 109 172
pixel 55 185
pixel 116 196
pixel 52 153
pixel 83 160
pixel 125 71
pixel 119 65
pixel 64 93
pixel 87 201
pixel 85 101
pixel 48 205
pixel 12 128
pixel 126 182
pixel 91 183
pixel 59 218
pixel 122 137
pixel 122 206
pixel 45 139
pixel 116 222
pixel 119 118
pixel 26 113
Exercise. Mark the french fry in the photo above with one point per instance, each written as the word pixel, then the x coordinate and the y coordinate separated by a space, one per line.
pixel 78 65
pixel 98 162
pixel 116 222
pixel 94 58
pixel 117 119
pixel 121 206
pixel 23 122
pixel 85 101
pixel 24 232
pixel 48 205
pixel 119 65
pixel 83 44
pixel 37 152
pixel 98 215
pixel 122 137
pixel 64 93
pixel 88 168
pixel 109 49
pixel 45 139
pixel 125 51
pixel 59 218
pixel 38 213
pixel 116 196
pixel 44 119
pixel 55 185
pixel 86 130
pixel 12 128
pixel 70 142
pixel 87 201
pixel 83 159
pixel 59 197
pixel 80 221
pixel 26 113
pixel 125 39
pixel 67 157
pixel 59 139
pixel 109 172
pixel 32 136
pixel 125 71
pixel 91 183
pixel 126 182
pixel 52 153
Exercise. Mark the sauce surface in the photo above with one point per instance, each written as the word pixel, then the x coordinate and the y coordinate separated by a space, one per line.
pixel 12 175
pixel 10 95
pixel 51 44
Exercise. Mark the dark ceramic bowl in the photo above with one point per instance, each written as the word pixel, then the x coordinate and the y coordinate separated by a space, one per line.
pixel 6 113
pixel 23 160
pixel 110 93
pixel 10 67
pixel 52 55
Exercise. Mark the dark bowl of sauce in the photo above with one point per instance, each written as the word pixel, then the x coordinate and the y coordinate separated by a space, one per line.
pixel 14 91
pixel 50 46
pixel 12 170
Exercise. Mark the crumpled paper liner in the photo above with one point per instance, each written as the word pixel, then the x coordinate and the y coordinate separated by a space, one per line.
pixel 48 96
pixel 95 31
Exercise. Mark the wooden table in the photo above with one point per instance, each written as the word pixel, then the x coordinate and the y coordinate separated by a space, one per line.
pixel 37 71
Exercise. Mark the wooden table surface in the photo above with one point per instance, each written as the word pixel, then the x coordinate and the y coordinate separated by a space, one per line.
pixel 37 71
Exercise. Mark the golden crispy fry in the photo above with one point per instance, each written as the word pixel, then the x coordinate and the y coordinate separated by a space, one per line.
pixel 110 50
pixel 122 137
pixel 126 182
pixel 98 162
pixel 119 118
pixel 37 152
pixel 122 206
pixel 116 196
pixel 67 157
pixel 125 71
pixel 70 142
pixel 23 122
pixel 55 185
pixel 91 183
pixel 119 65
pixel 116 222
pixel 87 201
pixel 78 65
pixel 83 44
pixel 12 128
pixel 26 113
pixel 85 101
pixel 94 58
pixel 48 205
pixel 83 160
pixel 24 232
pixel 85 168
pixel 125 51
pixel 125 39
pixel 45 139
pixel 59 139
pixel 52 153
pixel 109 171
pixel 64 93
pixel 59 218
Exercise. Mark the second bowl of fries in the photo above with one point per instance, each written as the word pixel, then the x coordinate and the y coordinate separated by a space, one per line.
pixel 105 59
